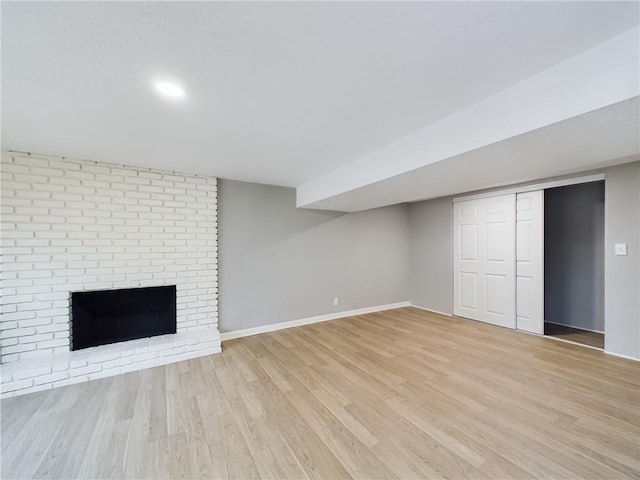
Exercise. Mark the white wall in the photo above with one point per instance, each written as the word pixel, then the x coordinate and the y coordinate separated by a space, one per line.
pixel 71 225
pixel 430 223
pixel 279 263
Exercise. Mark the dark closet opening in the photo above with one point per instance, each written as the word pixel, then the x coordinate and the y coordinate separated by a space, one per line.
pixel 574 263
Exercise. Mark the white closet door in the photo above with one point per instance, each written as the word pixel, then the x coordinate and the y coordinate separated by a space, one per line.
pixel 530 262
pixel 484 259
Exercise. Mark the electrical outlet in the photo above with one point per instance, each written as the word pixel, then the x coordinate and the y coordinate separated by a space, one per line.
pixel 336 300
pixel 621 249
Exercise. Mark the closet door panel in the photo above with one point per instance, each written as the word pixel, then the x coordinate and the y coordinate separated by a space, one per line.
pixel 467 247
pixel 530 262
pixel 484 260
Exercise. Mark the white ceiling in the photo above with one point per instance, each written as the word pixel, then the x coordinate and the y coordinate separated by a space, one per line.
pixel 279 93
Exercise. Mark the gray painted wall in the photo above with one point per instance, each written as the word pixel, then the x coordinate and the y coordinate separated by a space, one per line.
pixel 431 255
pixel 621 277
pixel 278 263
pixel 622 274
pixel 574 256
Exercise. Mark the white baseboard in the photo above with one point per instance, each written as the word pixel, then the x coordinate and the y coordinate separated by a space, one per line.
pixel 623 356
pixel 431 311
pixel 309 320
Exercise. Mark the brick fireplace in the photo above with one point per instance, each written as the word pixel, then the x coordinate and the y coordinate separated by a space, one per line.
pixel 74 225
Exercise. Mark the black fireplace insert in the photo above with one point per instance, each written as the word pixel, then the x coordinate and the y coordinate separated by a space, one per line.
pixel 109 316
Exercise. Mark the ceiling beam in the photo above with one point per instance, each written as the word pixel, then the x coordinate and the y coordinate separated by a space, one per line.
pixel 602 76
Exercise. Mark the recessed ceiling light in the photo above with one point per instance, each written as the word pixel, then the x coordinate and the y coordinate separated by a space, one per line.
pixel 170 89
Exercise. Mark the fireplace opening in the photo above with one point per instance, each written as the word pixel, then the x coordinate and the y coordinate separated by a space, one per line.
pixel 109 316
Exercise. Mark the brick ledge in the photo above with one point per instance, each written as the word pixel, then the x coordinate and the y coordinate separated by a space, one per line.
pixel 51 371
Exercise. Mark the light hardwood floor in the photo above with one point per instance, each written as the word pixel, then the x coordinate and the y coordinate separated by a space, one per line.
pixel 396 394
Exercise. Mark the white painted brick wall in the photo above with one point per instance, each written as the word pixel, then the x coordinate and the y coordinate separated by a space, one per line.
pixel 70 225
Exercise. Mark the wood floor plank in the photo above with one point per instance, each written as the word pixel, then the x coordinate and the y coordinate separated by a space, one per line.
pixel 397 394
pixel 105 452
pixel 66 452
